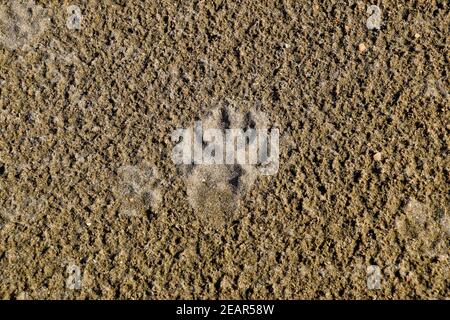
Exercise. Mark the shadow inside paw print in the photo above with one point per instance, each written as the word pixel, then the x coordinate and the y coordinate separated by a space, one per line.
pixel 21 211
pixel 424 231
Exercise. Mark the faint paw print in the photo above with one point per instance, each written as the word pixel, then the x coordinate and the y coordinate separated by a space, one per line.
pixel 59 61
pixel 21 24
pixel 424 231
pixel 138 189
pixel 21 212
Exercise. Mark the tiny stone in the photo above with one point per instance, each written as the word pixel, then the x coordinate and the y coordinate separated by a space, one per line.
pixel 362 47
pixel 417 36
pixel 377 156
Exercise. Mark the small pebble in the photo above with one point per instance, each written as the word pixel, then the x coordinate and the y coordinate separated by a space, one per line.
pixel 362 47
pixel 377 156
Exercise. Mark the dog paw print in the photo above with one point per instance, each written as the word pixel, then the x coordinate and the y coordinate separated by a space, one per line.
pixel 21 23
pixel 216 185
pixel 423 230
pixel 138 190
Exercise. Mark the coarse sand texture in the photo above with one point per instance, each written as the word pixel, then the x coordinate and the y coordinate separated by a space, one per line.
pixel 353 201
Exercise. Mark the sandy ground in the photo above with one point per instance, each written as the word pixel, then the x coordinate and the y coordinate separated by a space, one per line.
pixel 92 205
